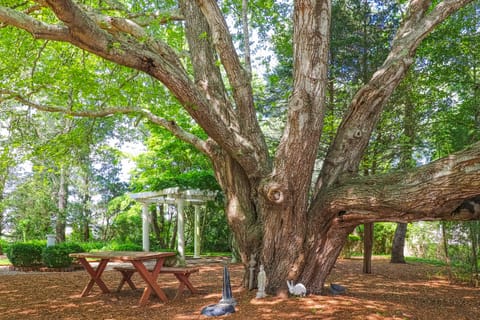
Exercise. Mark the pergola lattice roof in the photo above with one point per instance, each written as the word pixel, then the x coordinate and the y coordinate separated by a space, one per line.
pixel 173 195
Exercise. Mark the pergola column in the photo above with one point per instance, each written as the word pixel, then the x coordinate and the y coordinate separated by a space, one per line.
pixel 196 233
pixel 180 230
pixel 179 197
pixel 145 228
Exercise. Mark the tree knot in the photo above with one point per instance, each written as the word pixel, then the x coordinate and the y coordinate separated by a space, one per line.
pixel 275 192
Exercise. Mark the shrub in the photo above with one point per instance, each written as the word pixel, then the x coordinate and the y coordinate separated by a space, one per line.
pixel 128 246
pixel 58 256
pixel 92 246
pixel 350 246
pixel 24 254
pixel 3 246
pixel 72 247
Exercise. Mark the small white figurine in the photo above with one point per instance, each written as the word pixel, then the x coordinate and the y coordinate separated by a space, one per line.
pixel 296 290
pixel 262 280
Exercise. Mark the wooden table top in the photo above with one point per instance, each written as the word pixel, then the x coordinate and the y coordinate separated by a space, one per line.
pixel 122 255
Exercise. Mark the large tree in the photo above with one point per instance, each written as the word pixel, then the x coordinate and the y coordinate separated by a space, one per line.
pixel 293 225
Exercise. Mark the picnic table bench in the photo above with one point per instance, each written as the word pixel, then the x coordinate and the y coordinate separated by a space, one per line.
pixel 182 275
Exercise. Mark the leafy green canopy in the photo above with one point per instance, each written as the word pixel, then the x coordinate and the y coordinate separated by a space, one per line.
pixel 170 162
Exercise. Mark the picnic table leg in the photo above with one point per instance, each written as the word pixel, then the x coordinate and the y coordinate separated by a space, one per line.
pixel 183 279
pixel 95 275
pixel 126 277
pixel 150 279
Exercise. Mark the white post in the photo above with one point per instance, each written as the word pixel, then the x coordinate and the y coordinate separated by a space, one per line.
pixel 145 228
pixel 180 231
pixel 51 240
pixel 196 236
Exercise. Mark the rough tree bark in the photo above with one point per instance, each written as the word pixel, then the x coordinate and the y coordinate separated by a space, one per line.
pixel 295 230
pixel 62 196
pixel 367 247
pixel 398 244
pixel 2 188
pixel 87 211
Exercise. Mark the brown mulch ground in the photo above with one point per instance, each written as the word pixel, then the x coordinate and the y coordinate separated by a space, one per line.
pixel 410 291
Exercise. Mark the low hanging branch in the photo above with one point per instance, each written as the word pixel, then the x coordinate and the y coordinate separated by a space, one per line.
pixel 170 125
pixel 159 61
pixel 364 111
pixel 431 192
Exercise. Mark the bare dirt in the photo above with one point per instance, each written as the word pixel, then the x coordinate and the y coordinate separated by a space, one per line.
pixel 410 291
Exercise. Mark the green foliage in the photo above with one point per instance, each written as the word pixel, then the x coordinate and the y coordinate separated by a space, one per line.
pixel 31 206
pixel 423 240
pixel 72 247
pixel 125 246
pixel 382 237
pixel 434 111
pixel 3 245
pixel 92 246
pixel 432 262
pixel 216 235
pixel 23 254
pixel 351 246
pixel 57 256
pixel 170 162
pixel 127 226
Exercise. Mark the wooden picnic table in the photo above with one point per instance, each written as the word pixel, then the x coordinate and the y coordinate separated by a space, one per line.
pixel 137 259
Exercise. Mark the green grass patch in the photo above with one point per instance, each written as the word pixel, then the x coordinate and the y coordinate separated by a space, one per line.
pixel 215 254
pixel 432 262
pixel 4 262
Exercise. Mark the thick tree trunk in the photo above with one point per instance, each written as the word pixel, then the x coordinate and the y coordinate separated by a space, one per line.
pixel 325 241
pixel 62 198
pixel 367 247
pixel 445 251
pixel 474 228
pixel 3 180
pixel 86 209
pixel 242 211
pixel 398 244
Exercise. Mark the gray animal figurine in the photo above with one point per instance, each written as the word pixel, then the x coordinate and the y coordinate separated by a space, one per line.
pixel 337 289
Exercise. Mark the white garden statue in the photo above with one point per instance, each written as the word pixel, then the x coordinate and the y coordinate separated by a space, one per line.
pixel 262 281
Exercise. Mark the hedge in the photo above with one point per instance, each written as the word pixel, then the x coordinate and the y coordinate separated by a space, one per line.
pixel 57 256
pixel 24 254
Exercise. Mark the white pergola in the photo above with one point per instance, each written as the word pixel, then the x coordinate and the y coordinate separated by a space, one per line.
pixel 177 197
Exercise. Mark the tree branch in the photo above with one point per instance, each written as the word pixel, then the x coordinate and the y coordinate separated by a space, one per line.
pixel 238 77
pixel 38 29
pixel 431 192
pixel 161 63
pixel 306 107
pixel 170 125
pixel 180 133
pixel 364 111
pixel 206 73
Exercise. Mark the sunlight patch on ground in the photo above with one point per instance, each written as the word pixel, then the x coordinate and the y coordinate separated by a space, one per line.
pixel 271 301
